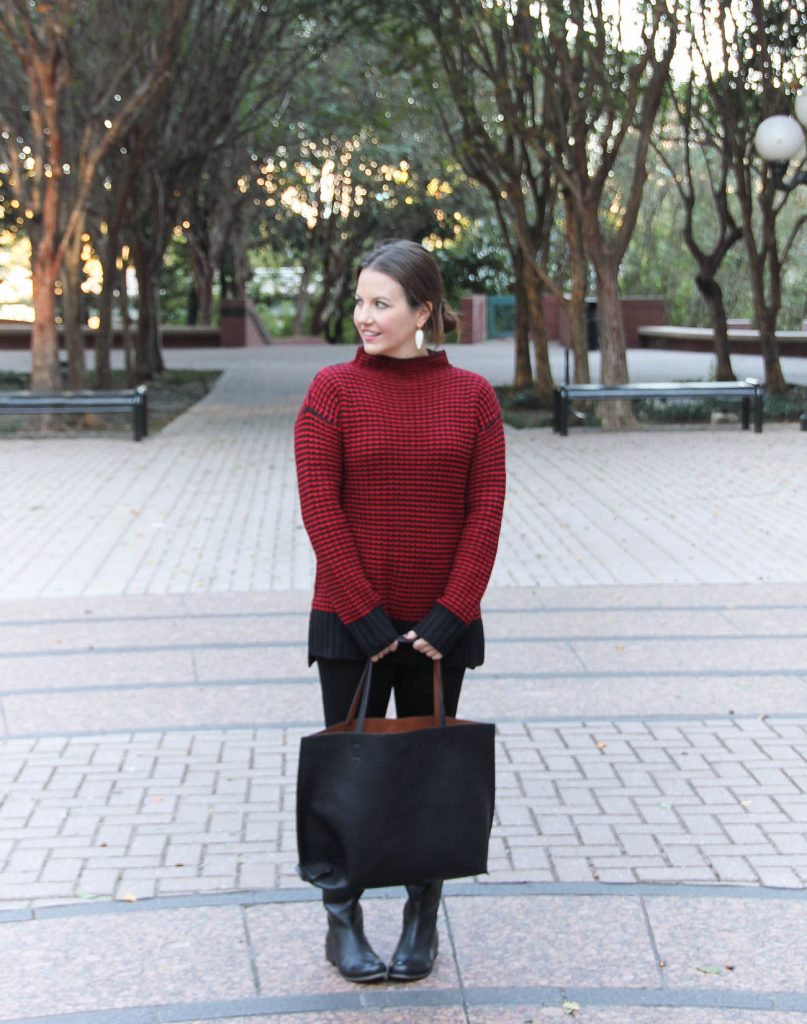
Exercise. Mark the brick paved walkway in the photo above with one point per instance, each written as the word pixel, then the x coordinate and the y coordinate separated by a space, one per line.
pixel 158 813
pixel 209 505
pixel 647 662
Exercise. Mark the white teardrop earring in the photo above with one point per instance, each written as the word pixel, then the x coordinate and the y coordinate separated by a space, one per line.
pixel 419 339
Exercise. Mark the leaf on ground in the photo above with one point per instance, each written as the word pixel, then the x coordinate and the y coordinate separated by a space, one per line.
pixel 128 897
pixel 571 1009
pixel 708 970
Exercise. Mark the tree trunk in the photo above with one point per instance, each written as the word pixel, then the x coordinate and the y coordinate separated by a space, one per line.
pixel 576 312
pixel 765 308
pixel 143 366
pixel 126 328
pixel 774 378
pixel 193 307
pixel 204 299
pixel 156 337
pixel 72 303
pixel 576 307
pixel 233 269
pixel 328 246
pixel 104 334
pixel 762 255
pixel 203 273
pixel 534 292
pixel 303 297
pixel 238 245
pixel 242 271
pixel 319 321
pixel 611 332
pixel 336 332
pixel 766 315
pixel 148 361
pixel 522 377
pixel 322 307
pixel 713 296
pixel 45 375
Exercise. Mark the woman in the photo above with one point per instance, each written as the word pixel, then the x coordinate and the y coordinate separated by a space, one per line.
pixel 400 462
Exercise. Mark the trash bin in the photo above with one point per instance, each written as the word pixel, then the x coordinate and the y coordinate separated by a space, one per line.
pixel 592 331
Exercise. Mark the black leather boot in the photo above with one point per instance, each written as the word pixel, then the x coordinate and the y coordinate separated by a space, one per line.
pixel 417 947
pixel 346 945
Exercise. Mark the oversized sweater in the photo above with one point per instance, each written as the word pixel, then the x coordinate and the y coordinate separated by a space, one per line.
pixel 400 465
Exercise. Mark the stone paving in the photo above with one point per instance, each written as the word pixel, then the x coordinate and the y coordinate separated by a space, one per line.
pixel 647 662
pixel 134 816
pixel 209 505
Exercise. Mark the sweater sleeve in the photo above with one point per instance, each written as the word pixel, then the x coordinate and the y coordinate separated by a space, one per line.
pixel 443 625
pixel 318 454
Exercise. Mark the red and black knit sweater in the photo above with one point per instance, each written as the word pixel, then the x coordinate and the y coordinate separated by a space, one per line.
pixel 400 464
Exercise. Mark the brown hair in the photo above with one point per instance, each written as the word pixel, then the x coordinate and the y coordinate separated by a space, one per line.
pixel 416 271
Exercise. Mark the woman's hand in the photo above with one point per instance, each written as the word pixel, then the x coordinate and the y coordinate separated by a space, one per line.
pixel 423 646
pixel 387 650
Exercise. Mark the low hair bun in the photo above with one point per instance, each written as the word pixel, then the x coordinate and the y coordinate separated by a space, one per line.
pixel 451 320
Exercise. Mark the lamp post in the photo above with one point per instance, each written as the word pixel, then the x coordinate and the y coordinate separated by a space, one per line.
pixel 778 139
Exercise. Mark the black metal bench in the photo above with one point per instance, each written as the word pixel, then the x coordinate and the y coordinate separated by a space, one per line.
pixel 23 403
pixel 747 391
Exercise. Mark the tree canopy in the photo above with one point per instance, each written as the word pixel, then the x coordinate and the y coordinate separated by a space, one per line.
pixel 224 148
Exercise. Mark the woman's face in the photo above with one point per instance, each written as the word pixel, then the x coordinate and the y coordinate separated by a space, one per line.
pixel 384 319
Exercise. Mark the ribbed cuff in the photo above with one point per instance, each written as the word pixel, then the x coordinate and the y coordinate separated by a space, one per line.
pixel 373 632
pixel 441 628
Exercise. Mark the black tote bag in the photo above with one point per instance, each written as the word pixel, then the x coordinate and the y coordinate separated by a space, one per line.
pixel 394 801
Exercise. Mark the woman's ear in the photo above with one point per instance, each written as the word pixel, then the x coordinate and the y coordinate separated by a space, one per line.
pixel 425 312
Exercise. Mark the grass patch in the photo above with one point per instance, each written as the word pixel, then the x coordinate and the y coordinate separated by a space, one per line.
pixel 784 408
pixel 523 407
pixel 170 394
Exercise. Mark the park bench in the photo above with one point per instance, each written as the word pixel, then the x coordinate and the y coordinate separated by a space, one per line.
pixel 747 391
pixel 23 403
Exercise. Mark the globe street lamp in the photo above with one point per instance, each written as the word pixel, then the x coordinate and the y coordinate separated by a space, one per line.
pixel 778 139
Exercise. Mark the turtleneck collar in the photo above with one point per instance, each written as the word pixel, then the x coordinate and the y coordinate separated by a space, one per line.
pixel 405 367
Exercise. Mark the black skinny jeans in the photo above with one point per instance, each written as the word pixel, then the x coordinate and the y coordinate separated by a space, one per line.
pixel 411 684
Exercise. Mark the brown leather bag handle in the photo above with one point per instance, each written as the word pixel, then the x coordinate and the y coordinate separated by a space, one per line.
pixel 358 706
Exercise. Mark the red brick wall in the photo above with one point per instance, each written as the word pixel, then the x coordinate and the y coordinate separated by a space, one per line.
pixel 641 311
pixel 242 331
pixel 556 321
pixel 637 311
pixel 240 325
pixel 473 319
